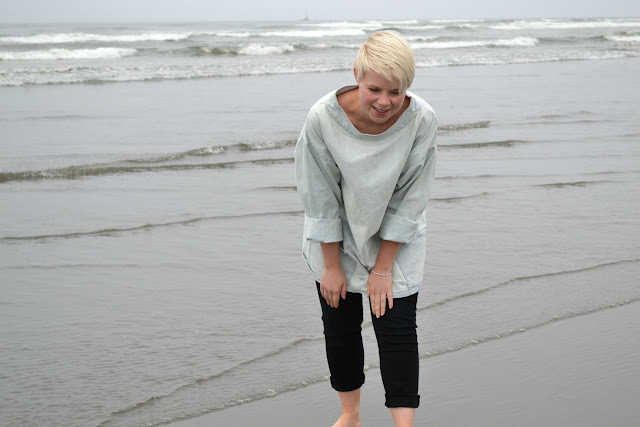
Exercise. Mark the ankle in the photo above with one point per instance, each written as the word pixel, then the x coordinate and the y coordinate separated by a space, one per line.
pixel 349 420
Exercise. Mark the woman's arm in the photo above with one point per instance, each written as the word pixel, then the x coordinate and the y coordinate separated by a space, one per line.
pixel 413 189
pixel 318 182
pixel 380 286
pixel 407 203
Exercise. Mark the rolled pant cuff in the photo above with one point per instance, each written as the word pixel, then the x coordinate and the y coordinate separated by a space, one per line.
pixel 347 386
pixel 402 401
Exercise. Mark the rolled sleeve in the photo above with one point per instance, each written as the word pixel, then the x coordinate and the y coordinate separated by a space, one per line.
pixel 318 182
pixel 323 230
pixel 398 229
pixel 413 190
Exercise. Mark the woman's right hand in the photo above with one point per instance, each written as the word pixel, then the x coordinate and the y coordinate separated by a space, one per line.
pixel 333 285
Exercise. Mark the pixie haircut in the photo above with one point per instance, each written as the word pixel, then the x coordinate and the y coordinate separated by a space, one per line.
pixel 389 55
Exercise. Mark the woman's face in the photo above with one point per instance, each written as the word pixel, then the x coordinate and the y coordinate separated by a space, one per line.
pixel 380 99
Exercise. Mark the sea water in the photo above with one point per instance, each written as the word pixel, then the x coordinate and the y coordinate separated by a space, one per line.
pixel 150 232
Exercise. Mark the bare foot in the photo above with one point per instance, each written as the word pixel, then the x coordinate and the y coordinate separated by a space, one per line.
pixel 349 420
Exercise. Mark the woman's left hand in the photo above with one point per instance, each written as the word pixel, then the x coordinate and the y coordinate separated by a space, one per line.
pixel 379 291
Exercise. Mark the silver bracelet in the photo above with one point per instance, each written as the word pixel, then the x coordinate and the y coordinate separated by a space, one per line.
pixel 378 274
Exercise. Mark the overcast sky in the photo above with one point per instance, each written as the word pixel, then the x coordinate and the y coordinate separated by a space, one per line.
pixel 15 11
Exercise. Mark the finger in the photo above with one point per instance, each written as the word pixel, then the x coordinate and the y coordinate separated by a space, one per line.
pixel 324 294
pixel 336 300
pixel 383 305
pixel 390 299
pixel 376 306
pixel 344 291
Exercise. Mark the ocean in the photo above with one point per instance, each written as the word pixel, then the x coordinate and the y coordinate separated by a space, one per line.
pixel 150 232
pixel 47 54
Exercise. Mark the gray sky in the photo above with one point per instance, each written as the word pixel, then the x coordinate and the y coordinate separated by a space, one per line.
pixel 14 11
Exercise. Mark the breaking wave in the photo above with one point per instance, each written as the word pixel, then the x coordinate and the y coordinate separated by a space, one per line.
pixel 515 42
pixel 57 54
pixel 62 38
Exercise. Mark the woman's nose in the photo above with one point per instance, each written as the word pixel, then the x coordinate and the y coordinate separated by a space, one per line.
pixel 383 100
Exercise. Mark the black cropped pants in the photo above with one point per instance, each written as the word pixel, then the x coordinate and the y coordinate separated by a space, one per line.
pixel 397 346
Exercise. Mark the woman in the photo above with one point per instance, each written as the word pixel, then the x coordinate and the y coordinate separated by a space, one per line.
pixel 365 163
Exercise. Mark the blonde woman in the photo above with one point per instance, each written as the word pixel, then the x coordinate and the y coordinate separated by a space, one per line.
pixel 365 164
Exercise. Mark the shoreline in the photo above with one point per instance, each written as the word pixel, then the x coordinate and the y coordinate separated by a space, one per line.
pixel 580 371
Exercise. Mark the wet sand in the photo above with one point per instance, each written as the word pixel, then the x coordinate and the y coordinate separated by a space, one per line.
pixel 583 371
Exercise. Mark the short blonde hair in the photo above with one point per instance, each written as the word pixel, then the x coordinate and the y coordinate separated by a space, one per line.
pixel 388 54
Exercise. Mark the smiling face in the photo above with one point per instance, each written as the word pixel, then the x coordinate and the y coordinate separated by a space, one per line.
pixel 380 99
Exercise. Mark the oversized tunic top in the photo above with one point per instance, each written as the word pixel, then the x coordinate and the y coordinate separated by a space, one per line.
pixel 360 189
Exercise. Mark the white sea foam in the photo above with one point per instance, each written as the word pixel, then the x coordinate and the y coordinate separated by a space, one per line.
pixel 61 38
pixel 67 75
pixel 420 38
pixel 338 32
pixel 556 25
pixel 515 42
pixel 634 39
pixel 333 45
pixel 453 21
pixel 243 34
pixel 522 59
pixel 460 25
pixel 262 49
pixel 413 25
pixel 298 47
pixel 407 22
pixel 424 27
pixel 367 25
pixel 55 54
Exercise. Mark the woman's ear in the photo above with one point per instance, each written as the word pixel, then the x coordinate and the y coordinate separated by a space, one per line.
pixel 355 74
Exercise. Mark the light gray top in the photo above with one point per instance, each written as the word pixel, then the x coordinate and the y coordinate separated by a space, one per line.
pixel 360 189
